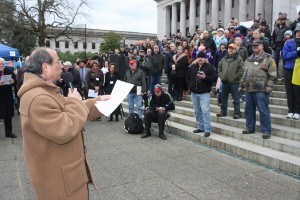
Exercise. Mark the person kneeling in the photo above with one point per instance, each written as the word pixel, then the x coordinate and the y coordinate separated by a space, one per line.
pixel 160 102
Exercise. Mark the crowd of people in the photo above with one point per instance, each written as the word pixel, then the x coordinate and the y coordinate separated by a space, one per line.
pixel 234 59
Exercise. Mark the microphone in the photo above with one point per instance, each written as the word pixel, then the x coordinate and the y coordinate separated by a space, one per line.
pixel 68 79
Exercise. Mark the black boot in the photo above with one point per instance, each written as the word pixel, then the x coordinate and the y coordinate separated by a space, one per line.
pixel 11 135
pixel 180 91
pixel 111 118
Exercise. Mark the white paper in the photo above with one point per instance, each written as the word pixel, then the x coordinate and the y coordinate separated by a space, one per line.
pixel 138 90
pixel 298 9
pixel 119 93
pixel 5 79
pixel 92 93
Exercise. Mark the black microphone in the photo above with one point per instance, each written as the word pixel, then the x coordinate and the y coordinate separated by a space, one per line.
pixel 68 79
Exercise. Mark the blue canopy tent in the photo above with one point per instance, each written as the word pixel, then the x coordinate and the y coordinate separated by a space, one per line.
pixel 11 55
pixel 8 53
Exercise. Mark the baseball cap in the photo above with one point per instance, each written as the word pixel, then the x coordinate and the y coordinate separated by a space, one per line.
pixel 201 54
pixel 157 87
pixel 131 62
pixel 67 63
pixel 256 42
pixel 232 46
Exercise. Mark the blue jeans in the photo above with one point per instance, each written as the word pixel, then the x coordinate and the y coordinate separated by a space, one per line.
pixel 232 88
pixel 201 104
pixel 261 101
pixel 138 101
pixel 154 79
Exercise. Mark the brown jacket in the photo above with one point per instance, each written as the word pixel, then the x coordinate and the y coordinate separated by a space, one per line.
pixel 53 140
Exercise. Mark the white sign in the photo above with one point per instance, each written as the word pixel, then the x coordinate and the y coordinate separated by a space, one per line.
pixel 247 24
pixel 119 93
pixel 298 9
pixel 5 79
pixel 12 53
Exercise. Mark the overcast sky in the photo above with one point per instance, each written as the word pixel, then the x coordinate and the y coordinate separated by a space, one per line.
pixel 122 15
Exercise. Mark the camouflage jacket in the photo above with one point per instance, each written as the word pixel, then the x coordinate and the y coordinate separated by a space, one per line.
pixel 260 74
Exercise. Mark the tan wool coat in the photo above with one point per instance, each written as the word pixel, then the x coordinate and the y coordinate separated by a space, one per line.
pixel 53 140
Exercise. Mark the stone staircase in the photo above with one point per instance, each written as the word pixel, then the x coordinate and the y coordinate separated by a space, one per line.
pixel 281 151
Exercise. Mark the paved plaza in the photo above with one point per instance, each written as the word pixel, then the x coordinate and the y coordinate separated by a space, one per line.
pixel 128 167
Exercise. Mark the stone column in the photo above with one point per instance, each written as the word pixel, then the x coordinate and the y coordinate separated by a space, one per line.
pixel 227 12
pixel 174 19
pixel 192 18
pixel 168 21
pixel 242 10
pixel 182 18
pixel 203 14
pixel 215 12
pixel 259 7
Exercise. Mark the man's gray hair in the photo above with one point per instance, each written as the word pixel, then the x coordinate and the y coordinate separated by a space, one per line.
pixel 2 59
pixel 37 58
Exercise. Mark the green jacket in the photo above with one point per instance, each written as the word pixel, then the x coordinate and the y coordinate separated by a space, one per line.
pixel 230 69
pixel 259 74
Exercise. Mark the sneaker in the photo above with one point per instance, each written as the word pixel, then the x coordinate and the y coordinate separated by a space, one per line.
pixel 290 115
pixel 236 116
pixel 247 131
pixel 266 135
pixel 296 116
pixel 221 114
pixel 206 134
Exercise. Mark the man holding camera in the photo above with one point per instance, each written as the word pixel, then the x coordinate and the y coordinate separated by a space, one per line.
pixel 200 78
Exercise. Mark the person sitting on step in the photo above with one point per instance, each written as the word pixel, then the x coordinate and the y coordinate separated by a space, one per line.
pixel 160 102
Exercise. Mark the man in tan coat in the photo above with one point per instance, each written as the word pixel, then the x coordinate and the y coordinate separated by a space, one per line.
pixel 52 131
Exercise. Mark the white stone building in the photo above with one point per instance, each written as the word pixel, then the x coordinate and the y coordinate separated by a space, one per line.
pixel 75 42
pixel 188 15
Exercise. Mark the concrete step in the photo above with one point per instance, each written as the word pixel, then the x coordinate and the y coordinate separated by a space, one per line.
pixel 277 159
pixel 273 99
pixel 276 109
pixel 275 118
pixel 235 131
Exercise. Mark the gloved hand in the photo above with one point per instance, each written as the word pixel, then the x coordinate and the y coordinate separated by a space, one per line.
pixel 268 89
pixel 298 51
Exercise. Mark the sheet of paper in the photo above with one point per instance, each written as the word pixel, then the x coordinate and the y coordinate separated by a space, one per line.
pixel 119 93
pixel 92 93
pixel 138 90
pixel 5 79
pixel 247 24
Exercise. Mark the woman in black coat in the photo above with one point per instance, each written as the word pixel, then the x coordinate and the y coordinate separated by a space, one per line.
pixel 6 99
pixel 111 78
pixel 179 65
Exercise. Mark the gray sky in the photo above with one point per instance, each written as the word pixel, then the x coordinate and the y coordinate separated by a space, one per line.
pixel 122 15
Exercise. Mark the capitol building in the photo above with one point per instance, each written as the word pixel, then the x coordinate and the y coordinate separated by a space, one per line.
pixel 188 15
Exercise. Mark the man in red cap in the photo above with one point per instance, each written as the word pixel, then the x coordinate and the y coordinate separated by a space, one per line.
pixel 136 77
pixel 160 103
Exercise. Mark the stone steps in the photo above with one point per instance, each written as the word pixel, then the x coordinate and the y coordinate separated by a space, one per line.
pixel 240 144
pixel 276 142
pixel 281 151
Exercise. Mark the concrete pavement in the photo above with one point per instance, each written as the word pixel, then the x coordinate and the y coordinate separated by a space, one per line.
pixel 128 167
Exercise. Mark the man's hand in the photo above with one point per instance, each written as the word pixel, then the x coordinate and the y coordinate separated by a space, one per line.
pixel 11 81
pixel 74 94
pixel 96 88
pixel 105 97
pixel 161 108
pixel 268 89
pixel 201 75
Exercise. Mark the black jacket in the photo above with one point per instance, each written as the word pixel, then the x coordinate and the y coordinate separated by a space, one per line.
pixel 197 85
pixel 181 67
pixel 6 96
pixel 110 81
pixel 168 59
pixel 164 100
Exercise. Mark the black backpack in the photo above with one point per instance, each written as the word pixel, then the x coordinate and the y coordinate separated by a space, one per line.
pixel 134 124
